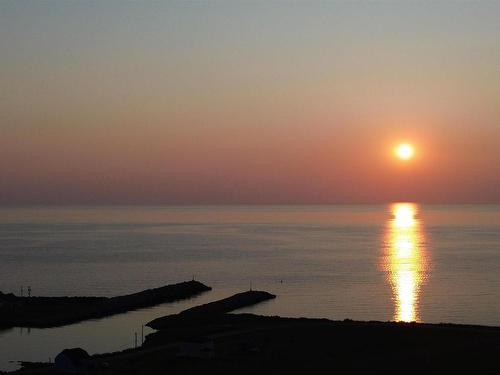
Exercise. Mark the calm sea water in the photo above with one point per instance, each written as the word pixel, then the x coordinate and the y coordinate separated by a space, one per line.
pixel 384 262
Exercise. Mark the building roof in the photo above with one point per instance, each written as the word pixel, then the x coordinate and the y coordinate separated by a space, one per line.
pixel 7 297
pixel 75 354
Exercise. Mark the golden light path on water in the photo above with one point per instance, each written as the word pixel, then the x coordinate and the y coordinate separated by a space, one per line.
pixel 405 260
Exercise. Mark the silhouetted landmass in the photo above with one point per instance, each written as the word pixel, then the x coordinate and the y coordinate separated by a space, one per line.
pixel 43 312
pixel 244 344
pixel 201 314
pixel 250 344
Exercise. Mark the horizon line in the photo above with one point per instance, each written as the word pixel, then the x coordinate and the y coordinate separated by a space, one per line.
pixel 239 204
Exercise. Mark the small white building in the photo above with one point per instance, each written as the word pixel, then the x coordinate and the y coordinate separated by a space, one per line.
pixel 73 361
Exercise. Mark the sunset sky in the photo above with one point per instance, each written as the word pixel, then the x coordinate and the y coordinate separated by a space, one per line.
pixel 111 102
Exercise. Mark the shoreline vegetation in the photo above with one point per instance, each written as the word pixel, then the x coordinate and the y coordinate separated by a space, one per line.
pixel 209 339
pixel 47 312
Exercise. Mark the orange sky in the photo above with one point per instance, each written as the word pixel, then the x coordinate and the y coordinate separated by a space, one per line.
pixel 193 103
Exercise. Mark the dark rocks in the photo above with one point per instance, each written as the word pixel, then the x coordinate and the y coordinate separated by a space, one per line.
pixel 211 310
pixel 43 312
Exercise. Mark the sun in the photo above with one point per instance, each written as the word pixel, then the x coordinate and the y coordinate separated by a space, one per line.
pixel 404 151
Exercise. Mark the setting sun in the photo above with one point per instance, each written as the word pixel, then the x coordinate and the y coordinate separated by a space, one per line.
pixel 404 151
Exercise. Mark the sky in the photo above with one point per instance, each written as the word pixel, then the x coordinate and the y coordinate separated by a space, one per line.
pixel 248 102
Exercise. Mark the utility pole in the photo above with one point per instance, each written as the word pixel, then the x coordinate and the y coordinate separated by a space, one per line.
pixel 136 340
pixel 142 335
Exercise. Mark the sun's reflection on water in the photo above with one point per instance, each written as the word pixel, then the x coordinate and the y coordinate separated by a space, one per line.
pixel 405 260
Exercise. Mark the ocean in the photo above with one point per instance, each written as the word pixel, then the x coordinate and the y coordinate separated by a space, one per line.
pixel 404 262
